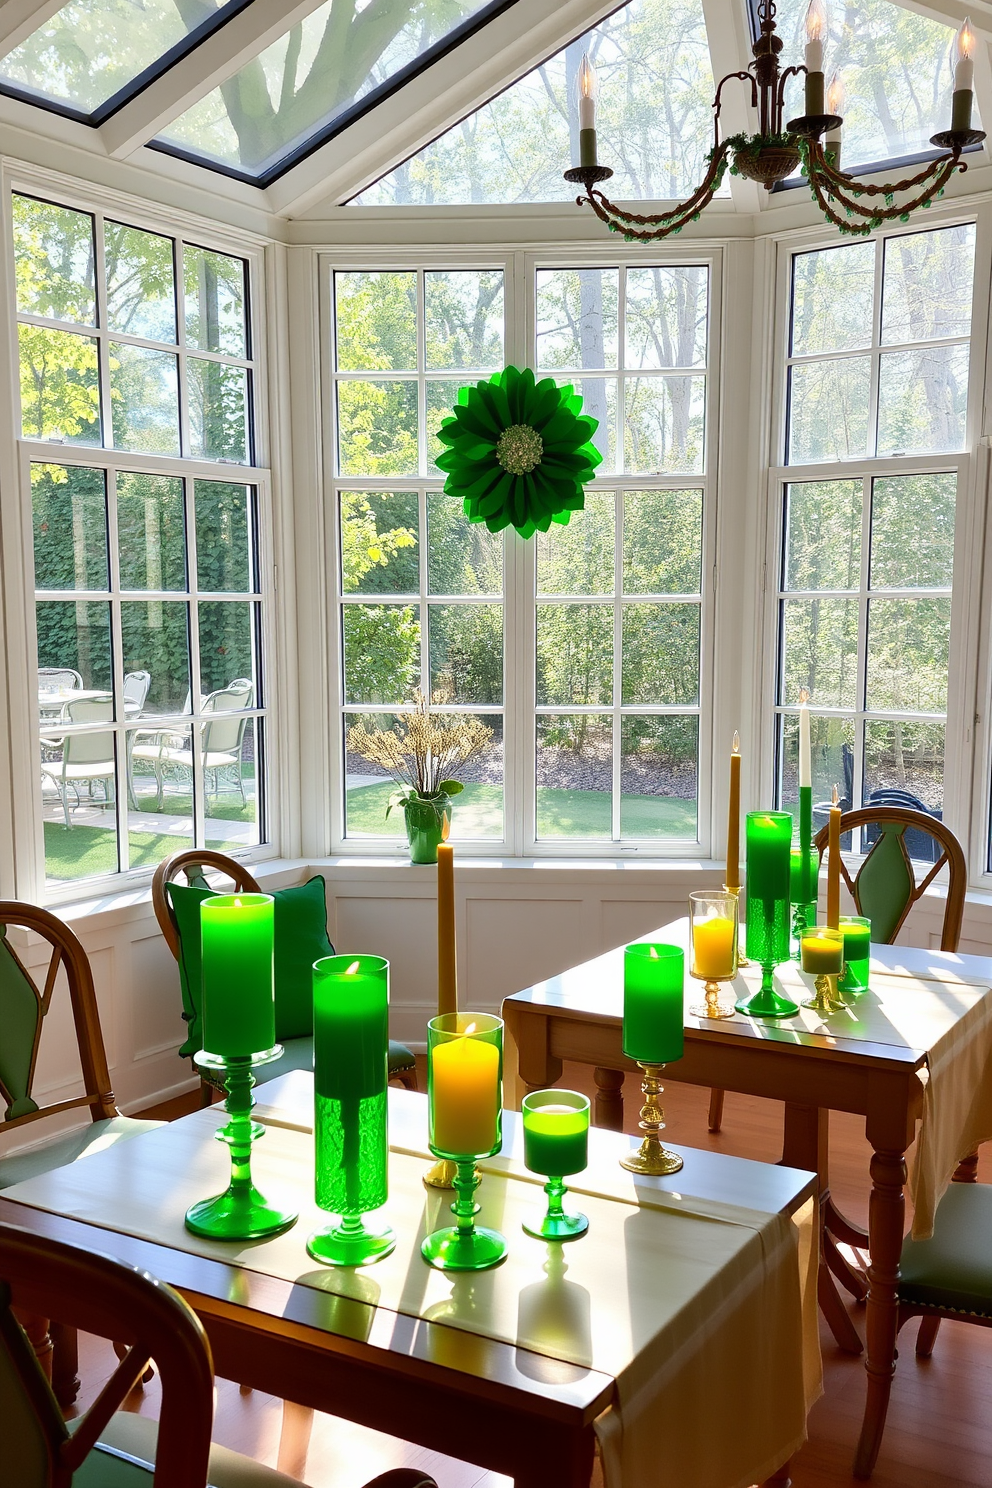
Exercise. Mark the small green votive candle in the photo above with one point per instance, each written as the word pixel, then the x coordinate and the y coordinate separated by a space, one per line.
pixel 556 1143
pixel 239 1008
pixel 653 1003
pixel 856 930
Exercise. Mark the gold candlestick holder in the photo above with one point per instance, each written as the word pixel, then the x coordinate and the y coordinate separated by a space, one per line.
pixel 651 1157
pixel 713 1007
pixel 827 999
pixel 441 1174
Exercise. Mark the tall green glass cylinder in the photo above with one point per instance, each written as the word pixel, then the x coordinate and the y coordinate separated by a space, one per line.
pixel 239 1007
pixel 351 1021
pixel 769 857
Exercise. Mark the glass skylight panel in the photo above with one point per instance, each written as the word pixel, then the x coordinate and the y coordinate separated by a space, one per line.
pixel 91 50
pixel 898 74
pixel 654 119
pixel 299 86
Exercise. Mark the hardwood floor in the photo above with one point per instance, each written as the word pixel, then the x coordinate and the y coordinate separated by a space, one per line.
pixel 939 1432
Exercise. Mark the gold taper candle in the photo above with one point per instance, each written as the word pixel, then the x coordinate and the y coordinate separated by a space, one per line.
pixel 833 865
pixel 447 988
pixel 733 878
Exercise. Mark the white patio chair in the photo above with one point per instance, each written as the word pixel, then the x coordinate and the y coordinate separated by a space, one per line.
pixel 54 680
pixel 136 685
pixel 222 741
pixel 85 758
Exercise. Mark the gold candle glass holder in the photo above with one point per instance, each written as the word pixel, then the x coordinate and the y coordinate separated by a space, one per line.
pixel 651 1157
pixel 714 930
pixel 822 954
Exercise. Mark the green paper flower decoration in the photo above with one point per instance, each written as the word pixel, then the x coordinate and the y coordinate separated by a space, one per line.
pixel 519 452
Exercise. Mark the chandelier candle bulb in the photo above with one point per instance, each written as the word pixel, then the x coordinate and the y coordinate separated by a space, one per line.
pixel 964 77
pixel 239 1010
pixel 816 31
pixel 447 986
pixel 587 89
pixel 653 1003
pixel 835 106
pixel 733 878
pixel 833 864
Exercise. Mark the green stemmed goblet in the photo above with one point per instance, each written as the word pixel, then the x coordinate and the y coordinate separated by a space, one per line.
pixel 556 1144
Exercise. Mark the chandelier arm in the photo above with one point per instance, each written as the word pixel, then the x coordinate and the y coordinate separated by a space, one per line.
pixel 789 72
pixel 747 77
pixel 679 215
pixel 673 224
pixel 840 180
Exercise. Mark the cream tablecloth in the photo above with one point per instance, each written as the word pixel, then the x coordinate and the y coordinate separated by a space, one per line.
pixel 703 1313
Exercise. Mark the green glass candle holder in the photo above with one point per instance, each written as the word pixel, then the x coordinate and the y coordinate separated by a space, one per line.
pixel 239 1006
pixel 653 1002
pixel 823 957
pixel 464 1115
pixel 240 1212
pixel 802 894
pixel 351 1142
pixel 768 852
pixel 856 930
pixel 556 1144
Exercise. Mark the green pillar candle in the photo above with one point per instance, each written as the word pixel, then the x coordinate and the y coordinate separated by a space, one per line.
pixel 653 995
pixel 768 853
pixel 239 1010
pixel 350 1041
pixel 556 1132
pixel 857 952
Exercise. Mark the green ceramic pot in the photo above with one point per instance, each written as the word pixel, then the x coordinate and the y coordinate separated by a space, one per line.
pixel 428 822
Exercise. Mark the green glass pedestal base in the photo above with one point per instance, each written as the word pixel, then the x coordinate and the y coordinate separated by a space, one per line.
pixel 556 1225
pixel 351 1243
pixel 455 1249
pixel 766 1002
pixel 464 1246
pixel 238 1214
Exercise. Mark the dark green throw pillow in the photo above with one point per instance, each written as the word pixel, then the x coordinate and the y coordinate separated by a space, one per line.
pixel 300 940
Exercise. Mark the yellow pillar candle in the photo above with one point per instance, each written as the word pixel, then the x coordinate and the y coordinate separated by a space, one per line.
pixel 822 952
pixel 733 878
pixel 713 948
pixel 833 865
pixel 447 987
pixel 465 1097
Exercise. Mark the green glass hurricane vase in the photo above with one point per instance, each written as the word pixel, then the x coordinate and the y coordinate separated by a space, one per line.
pixel 556 1144
pixel 768 911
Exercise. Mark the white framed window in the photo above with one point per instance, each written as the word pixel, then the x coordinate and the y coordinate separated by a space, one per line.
pixel 585 650
pixel 880 403
pixel 137 460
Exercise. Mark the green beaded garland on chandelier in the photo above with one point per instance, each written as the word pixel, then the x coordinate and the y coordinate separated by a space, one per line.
pixel 519 452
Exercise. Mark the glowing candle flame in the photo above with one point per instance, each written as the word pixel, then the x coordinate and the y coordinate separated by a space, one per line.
pixel 352 968
pixel 816 21
pixel 836 94
pixel 737 742
pixel 834 801
pixel 588 83
pixel 966 40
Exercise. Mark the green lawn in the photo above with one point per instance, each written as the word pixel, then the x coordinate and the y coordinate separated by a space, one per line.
pixel 88 852
pixel 478 812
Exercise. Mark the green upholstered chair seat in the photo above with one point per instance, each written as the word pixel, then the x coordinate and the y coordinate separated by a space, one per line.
pixel 953 1269
pixel 61 1151
pixel 135 1436
pixel 298 1055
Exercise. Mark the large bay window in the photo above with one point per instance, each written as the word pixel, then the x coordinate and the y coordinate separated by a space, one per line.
pixel 136 373
pixel 582 650
pixel 876 434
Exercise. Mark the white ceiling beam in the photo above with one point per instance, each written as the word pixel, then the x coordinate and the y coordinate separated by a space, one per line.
pixel 953 12
pixel 19 18
pixel 501 51
pixel 217 58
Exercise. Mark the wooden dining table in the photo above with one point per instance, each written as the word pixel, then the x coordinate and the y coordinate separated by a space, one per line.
pixel 433 1367
pixel 868 1061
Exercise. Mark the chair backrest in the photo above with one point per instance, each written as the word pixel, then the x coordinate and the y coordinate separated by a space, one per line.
pixel 885 887
pixel 89 749
pixel 22 1012
pixel 59 677
pixel 191 862
pixel 224 735
pixel 136 685
pixel 102 1296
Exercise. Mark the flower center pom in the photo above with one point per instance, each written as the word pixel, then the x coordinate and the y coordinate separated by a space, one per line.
pixel 519 449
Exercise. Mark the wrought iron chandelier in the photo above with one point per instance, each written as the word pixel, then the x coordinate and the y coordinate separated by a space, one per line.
pixel 853 205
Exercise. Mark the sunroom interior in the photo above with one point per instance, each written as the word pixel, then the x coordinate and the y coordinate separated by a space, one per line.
pixel 253 253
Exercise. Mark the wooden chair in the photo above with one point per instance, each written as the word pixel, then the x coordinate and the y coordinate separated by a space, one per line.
pixel 885 887
pixel 948 1276
pixel 105 1297
pixel 23 1009
pixel 191 863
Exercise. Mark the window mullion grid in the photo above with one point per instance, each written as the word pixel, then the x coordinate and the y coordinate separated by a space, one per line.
pixel 421 374
pixel 121 738
pixel 876 341
pixel 425 657
pixel 621 364
pixel 102 344
pixel 861 698
pixel 617 655
pixel 180 306
pixel 193 589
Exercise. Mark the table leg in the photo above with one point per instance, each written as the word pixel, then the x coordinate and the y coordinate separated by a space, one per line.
pixel 65 1364
pixel 36 1329
pixel 805 1146
pixel 609 1098
pixel 780 1479
pixel 886 1220
pixel 565 1460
